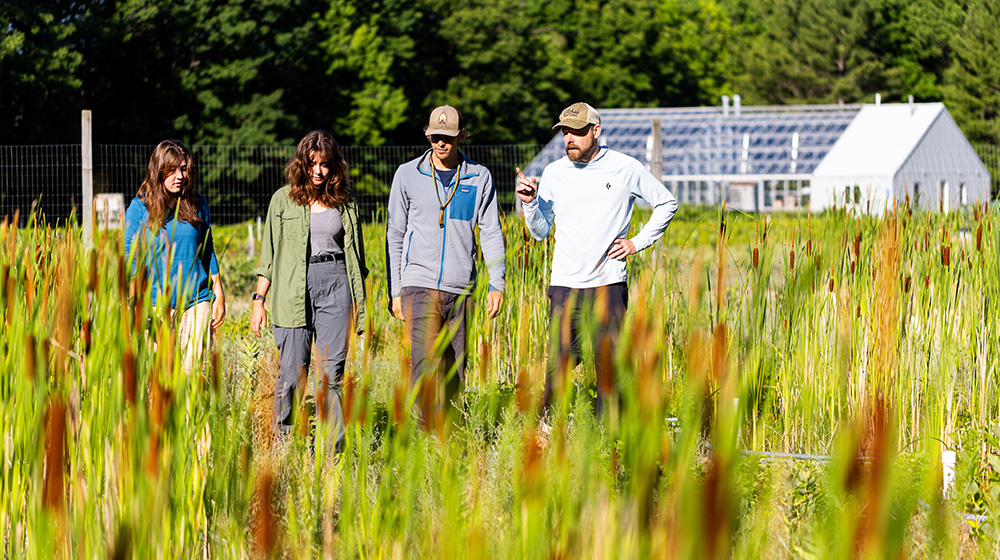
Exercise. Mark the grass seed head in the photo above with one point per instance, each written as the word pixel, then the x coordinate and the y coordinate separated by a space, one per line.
pixel 265 520
pixel 321 394
pixel 216 369
pixel 85 334
pixel 53 489
pixel 29 284
pixel 522 392
pixel 92 271
pixel 399 414
pixel 128 376
pixel 30 356
pixel 484 361
pixel 720 350
pixel 122 282
pixel 606 369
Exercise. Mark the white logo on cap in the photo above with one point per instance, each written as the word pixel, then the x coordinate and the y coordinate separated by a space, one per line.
pixel 443 119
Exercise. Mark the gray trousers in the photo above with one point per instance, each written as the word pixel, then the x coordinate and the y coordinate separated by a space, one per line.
pixel 575 314
pixel 328 313
pixel 429 312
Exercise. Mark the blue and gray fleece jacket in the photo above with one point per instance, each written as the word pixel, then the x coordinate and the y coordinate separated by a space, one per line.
pixel 421 253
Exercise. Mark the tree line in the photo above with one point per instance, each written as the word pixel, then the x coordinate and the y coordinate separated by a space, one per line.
pixel 262 72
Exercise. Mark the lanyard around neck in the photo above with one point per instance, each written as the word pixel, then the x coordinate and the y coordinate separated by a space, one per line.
pixel 454 189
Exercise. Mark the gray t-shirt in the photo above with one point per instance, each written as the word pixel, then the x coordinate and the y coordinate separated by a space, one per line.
pixel 326 233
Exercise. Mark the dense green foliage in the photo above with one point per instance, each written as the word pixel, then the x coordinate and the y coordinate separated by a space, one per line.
pixel 254 72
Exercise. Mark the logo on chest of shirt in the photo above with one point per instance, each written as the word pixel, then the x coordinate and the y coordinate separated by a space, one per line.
pixel 608 186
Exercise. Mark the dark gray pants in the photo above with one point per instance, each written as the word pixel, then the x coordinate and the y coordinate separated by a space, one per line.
pixel 576 313
pixel 328 313
pixel 429 312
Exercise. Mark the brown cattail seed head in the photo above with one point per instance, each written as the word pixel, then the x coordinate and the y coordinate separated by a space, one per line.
pixel 321 395
pixel 265 521
pixel 979 239
pixel 946 255
pixel 53 491
pixel 755 257
pixel 906 285
pixel 30 356
pixel 128 376
pixel 484 361
pixel 85 334
pixel 92 271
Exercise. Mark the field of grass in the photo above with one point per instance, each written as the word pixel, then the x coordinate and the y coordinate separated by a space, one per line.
pixel 871 344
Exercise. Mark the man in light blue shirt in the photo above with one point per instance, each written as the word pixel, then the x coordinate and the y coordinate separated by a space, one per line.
pixel 591 192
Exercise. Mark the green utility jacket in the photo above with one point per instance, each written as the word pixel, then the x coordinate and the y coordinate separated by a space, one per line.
pixel 284 259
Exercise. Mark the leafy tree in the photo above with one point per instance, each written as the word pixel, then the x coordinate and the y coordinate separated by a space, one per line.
pixel 816 51
pixel 364 50
pixel 972 89
pixel 512 75
pixel 38 71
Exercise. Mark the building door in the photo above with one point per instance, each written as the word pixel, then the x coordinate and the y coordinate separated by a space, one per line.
pixel 944 197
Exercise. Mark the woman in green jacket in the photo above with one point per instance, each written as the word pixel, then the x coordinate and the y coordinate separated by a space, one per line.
pixel 312 262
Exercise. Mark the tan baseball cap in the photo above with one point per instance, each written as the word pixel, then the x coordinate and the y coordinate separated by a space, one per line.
pixel 578 115
pixel 445 120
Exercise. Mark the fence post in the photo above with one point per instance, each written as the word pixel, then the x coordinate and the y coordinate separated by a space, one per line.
pixel 656 165
pixel 87 151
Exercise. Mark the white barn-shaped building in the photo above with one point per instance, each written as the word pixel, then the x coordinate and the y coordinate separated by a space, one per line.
pixel 893 152
pixel 773 158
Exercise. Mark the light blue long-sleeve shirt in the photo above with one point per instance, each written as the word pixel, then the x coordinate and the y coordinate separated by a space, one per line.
pixel 189 252
pixel 592 203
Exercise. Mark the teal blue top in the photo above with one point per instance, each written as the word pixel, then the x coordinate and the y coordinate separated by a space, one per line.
pixel 190 259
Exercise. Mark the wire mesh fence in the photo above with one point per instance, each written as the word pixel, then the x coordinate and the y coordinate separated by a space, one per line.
pixel 47 178
pixel 238 181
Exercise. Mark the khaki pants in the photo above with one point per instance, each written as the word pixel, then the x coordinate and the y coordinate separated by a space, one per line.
pixel 193 334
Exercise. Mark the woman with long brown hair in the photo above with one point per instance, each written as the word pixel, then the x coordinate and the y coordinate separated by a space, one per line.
pixel 169 223
pixel 313 262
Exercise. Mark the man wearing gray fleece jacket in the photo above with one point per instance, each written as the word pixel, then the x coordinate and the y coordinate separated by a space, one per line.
pixel 435 204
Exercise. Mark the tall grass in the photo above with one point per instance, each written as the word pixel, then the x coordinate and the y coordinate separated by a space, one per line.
pixel 873 341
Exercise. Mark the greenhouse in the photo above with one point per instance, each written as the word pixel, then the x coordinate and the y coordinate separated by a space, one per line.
pixel 773 158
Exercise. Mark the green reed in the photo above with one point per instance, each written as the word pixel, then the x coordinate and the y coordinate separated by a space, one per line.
pixel 874 340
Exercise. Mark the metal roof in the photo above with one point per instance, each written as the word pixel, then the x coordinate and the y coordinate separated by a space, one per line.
pixel 880 139
pixel 721 141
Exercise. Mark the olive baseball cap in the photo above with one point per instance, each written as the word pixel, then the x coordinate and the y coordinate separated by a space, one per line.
pixel 577 116
pixel 445 120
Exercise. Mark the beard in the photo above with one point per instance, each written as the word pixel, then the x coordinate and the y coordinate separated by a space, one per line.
pixel 579 155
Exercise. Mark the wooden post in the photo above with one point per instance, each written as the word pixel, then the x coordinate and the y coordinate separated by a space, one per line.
pixel 656 160
pixel 87 150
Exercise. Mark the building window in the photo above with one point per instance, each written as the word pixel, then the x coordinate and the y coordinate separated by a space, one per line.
pixel 963 196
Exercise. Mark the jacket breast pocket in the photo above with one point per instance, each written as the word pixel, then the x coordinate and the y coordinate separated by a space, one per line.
pixel 290 223
pixel 463 206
